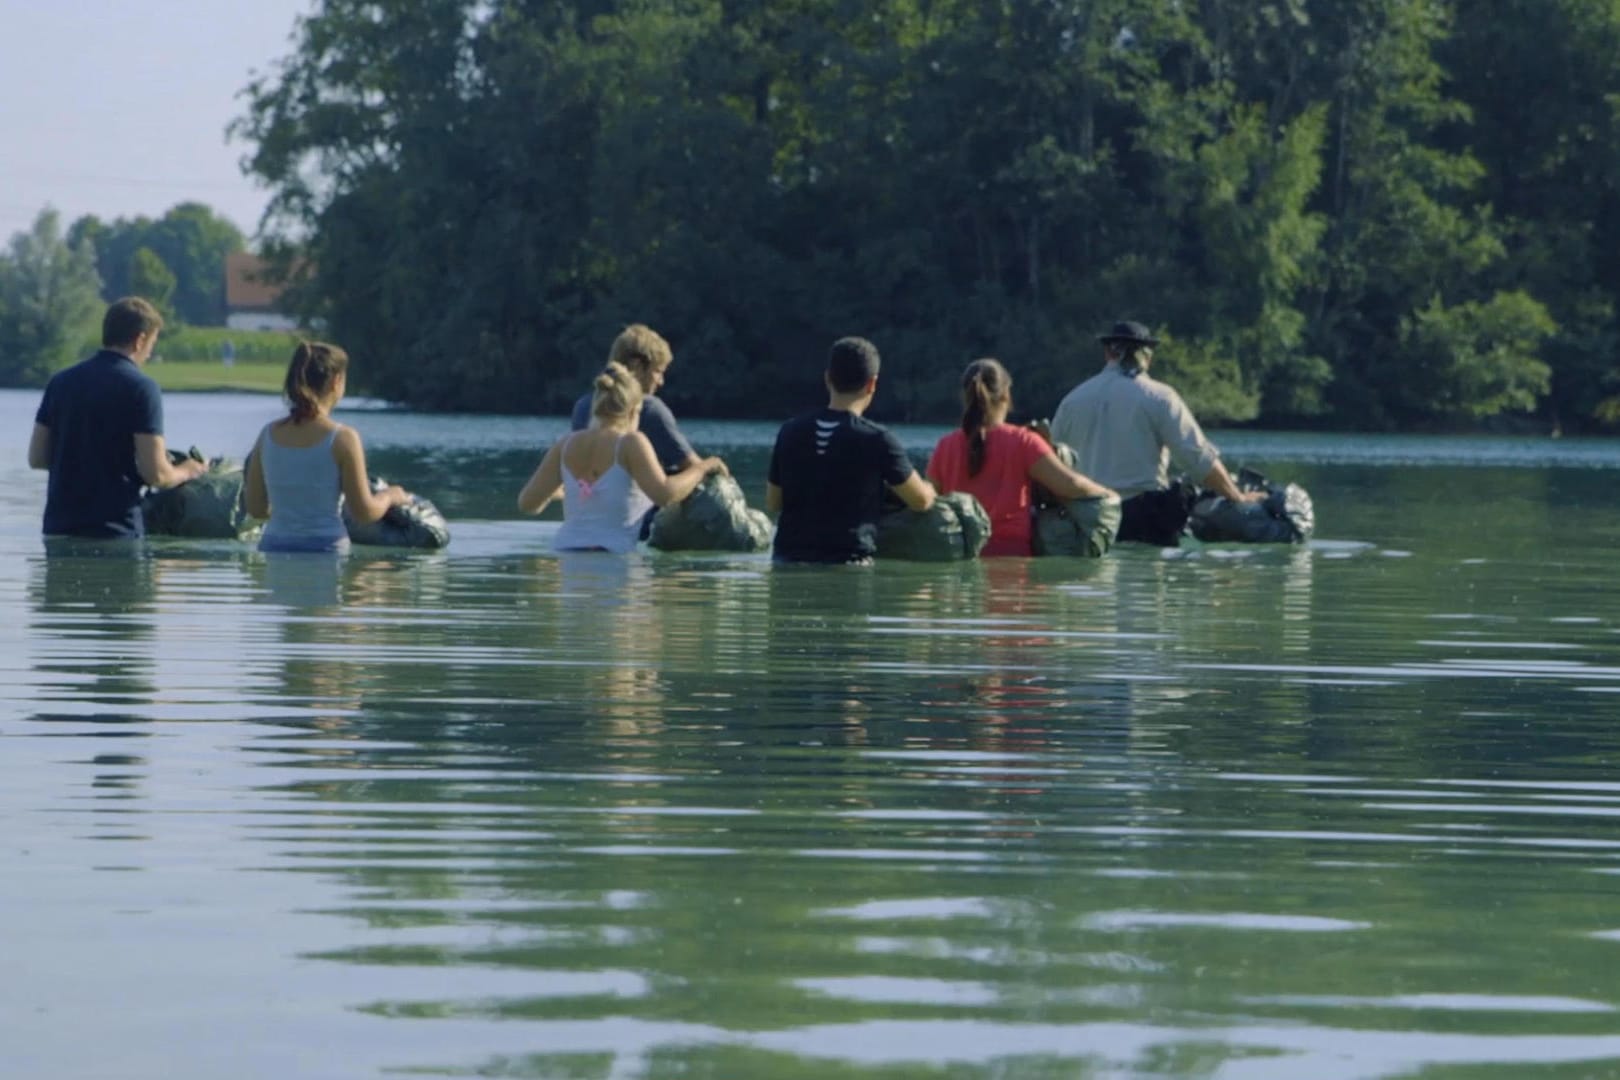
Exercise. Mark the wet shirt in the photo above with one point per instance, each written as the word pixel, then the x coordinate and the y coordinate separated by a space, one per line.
pixel 1001 485
pixel 1126 429
pixel 604 514
pixel 305 488
pixel 94 410
pixel 833 468
pixel 657 423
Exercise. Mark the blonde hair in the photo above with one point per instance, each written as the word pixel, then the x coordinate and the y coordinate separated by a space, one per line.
pixel 640 346
pixel 616 393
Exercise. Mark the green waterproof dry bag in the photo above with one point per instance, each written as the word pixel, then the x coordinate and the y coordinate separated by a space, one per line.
pixel 955 527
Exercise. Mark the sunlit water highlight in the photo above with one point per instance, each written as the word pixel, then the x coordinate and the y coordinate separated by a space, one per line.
pixel 1343 811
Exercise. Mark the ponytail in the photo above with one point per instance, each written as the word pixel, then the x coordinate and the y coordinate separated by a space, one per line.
pixel 615 393
pixel 312 376
pixel 985 386
pixel 1134 357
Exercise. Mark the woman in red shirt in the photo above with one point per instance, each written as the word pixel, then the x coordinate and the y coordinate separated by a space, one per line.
pixel 995 461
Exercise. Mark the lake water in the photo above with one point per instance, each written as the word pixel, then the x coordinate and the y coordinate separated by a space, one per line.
pixel 1253 814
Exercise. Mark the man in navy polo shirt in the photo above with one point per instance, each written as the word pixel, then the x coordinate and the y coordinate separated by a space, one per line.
pixel 99 430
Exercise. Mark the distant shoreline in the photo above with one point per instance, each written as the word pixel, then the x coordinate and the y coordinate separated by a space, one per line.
pixel 218 390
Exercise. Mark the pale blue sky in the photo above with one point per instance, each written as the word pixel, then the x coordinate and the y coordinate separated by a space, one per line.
pixel 119 107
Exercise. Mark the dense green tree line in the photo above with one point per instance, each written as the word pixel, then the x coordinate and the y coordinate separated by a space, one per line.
pixel 53 283
pixel 1364 213
pixel 49 293
pixel 176 261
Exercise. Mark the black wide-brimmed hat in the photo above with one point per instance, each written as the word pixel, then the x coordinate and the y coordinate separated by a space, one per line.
pixel 1133 333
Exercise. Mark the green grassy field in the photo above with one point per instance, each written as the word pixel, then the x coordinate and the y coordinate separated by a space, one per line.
pixel 201 344
pixel 204 344
pixel 263 377
pixel 190 358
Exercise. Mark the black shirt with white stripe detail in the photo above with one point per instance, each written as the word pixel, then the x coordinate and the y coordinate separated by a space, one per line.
pixel 833 468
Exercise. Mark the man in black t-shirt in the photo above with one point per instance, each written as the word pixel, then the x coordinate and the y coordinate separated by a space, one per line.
pixel 829 468
pixel 99 430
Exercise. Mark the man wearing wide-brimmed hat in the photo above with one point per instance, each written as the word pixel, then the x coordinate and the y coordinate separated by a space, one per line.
pixel 1125 428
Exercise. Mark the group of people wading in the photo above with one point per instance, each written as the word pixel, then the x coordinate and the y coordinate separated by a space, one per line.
pixel 99 433
pixel 831 469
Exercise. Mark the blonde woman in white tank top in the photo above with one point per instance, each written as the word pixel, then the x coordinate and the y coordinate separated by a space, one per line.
pixel 316 460
pixel 608 473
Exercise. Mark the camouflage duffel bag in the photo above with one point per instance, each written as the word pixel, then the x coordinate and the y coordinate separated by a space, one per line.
pixel 207 507
pixel 955 527
pixel 714 517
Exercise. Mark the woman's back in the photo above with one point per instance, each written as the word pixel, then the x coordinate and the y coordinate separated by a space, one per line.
pixel 602 506
pixel 1001 485
pixel 302 479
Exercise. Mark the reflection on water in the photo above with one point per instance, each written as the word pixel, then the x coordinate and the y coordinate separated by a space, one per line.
pixel 91 634
pixel 306 581
pixel 1322 812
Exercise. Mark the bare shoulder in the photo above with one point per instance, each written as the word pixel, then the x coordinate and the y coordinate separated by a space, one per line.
pixel 637 443
pixel 345 441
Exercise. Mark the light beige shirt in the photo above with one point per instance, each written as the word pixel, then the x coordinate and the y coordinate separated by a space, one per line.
pixel 1125 430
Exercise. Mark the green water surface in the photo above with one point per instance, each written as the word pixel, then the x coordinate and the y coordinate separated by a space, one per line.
pixel 1347 810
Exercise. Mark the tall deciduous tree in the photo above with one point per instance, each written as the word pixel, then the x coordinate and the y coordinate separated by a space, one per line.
pixel 151 279
pixel 49 298
pixel 1541 79
pixel 191 241
pixel 1409 231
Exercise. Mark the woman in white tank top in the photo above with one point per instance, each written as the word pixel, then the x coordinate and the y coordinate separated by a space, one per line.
pixel 608 475
pixel 305 465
